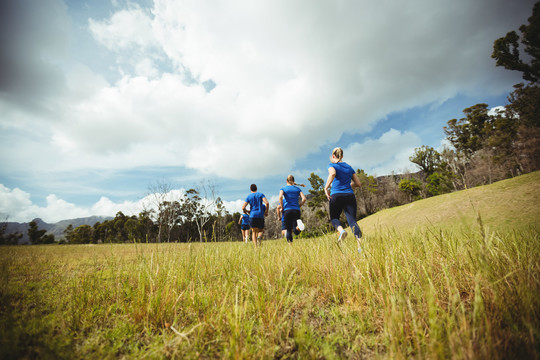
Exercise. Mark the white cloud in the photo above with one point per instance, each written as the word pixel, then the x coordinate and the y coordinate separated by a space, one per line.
pixel 382 156
pixel 496 110
pixel 107 207
pixel 14 200
pixel 146 68
pixel 234 206
pixel 129 28
pixel 288 78
pixel 18 207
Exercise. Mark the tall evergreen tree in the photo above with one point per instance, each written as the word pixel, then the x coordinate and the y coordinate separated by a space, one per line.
pixel 506 50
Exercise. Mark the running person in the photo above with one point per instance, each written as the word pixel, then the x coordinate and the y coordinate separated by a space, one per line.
pixel 256 211
pixel 281 216
pixel 338 190
pixel 244 226
pixel 288 199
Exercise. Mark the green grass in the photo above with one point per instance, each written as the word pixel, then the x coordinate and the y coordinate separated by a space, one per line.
pixel 430 293
pixel 512 204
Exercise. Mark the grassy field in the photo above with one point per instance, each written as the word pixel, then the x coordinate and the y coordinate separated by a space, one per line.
pixel 512 204
pixel 434 292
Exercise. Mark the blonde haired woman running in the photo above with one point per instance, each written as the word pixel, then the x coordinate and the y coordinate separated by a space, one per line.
pixel 338 190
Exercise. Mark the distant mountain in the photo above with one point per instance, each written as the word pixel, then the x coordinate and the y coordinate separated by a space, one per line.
pixel 57 229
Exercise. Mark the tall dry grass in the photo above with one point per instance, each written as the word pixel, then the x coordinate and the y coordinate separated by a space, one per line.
pixel 433 294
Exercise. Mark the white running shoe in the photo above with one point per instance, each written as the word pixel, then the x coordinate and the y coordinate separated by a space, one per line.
pixel 342 236
pixel 301 225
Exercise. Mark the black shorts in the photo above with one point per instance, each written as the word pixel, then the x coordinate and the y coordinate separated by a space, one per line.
pixel 257 223
pixel 290 219
pixel 244 227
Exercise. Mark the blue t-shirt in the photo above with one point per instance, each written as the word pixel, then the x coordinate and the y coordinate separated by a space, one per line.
pixel 256 207
pixel 342 181
pixel 290 197
pixel 245 219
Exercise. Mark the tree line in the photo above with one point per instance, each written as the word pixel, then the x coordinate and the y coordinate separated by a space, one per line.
pixel 485 147
pixel 197 214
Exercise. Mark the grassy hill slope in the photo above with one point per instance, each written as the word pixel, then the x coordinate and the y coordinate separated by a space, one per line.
pixel 512 204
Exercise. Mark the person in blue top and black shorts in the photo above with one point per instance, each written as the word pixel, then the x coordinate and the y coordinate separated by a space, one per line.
pixel 256 212
pixel 244 226
pixel 281 216
pixel 289 200
pixel 338 190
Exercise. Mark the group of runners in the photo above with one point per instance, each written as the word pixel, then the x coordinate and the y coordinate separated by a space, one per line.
pixel 339 192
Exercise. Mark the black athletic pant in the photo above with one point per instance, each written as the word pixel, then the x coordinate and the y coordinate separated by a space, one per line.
pixel 290 223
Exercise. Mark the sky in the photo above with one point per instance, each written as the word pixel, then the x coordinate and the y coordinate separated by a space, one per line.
pixel 102 100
